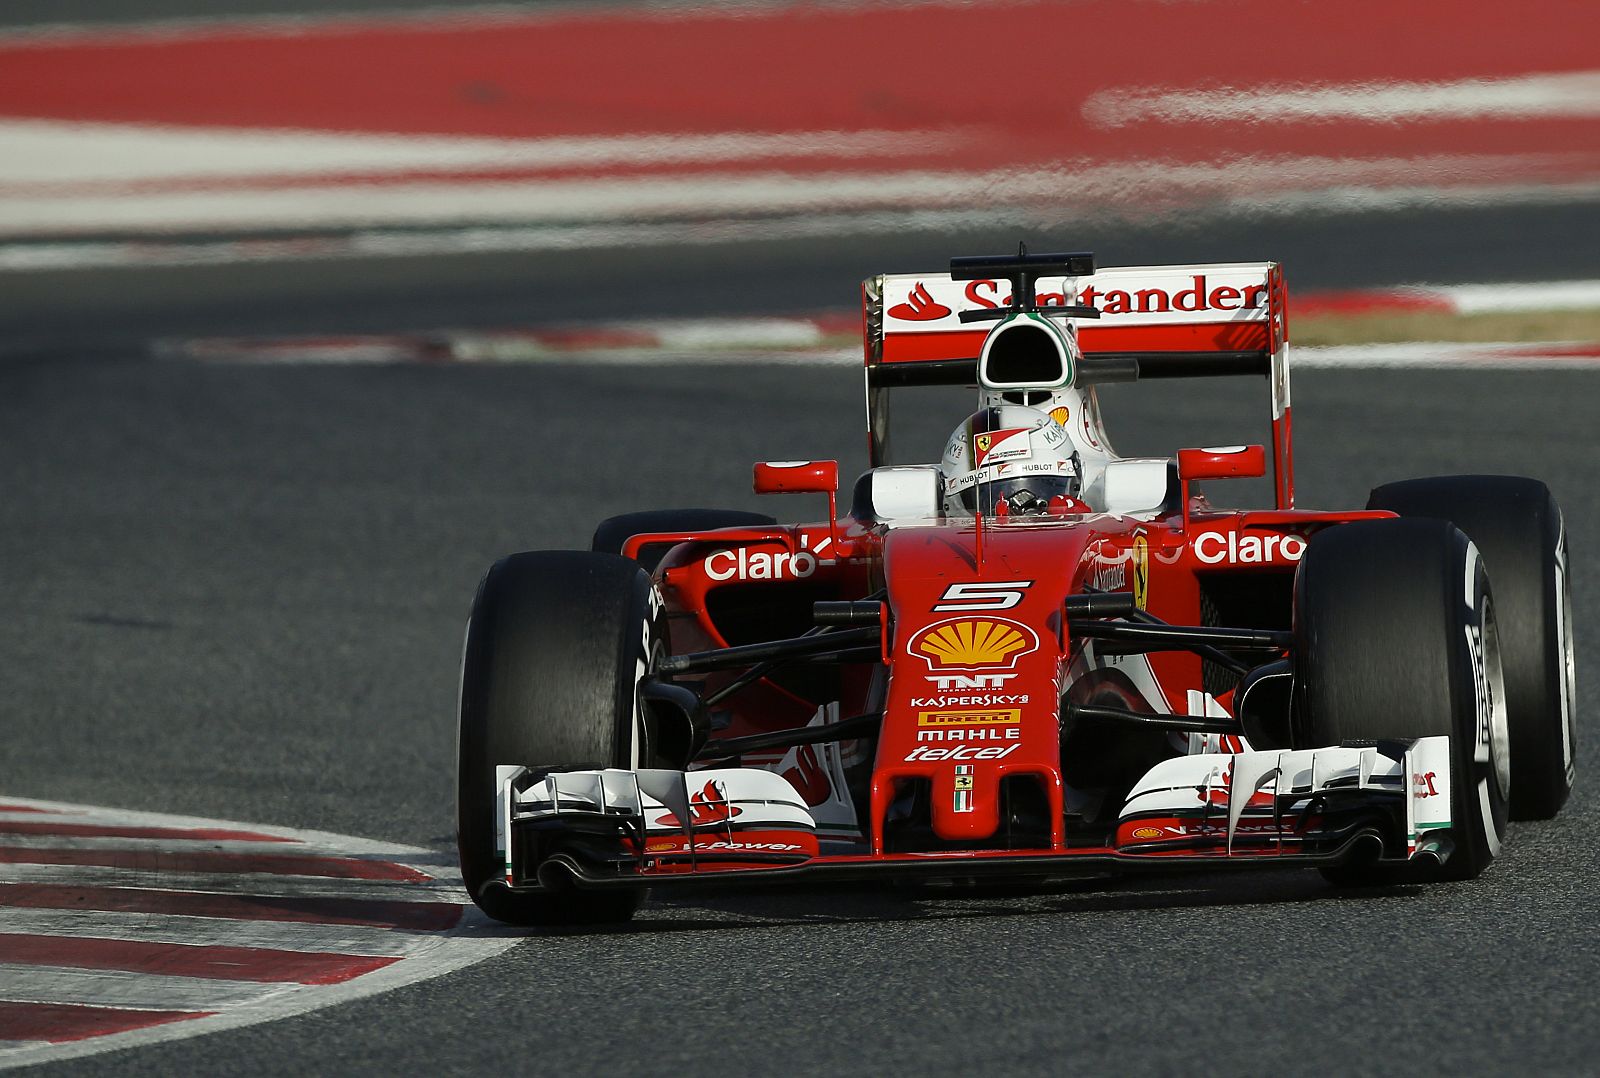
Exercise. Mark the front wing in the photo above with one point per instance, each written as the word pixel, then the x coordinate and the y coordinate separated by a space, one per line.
pixel 611 828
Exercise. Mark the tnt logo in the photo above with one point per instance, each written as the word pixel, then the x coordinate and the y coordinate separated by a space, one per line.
pixel 950 682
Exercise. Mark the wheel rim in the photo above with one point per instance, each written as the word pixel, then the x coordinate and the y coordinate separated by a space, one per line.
pixel 1494 682
pixel 1567 674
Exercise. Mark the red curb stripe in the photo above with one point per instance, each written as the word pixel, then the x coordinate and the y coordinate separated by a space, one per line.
pixel 199 834
pixel 61 1022
pixel 472 75
pixel 185 960
pixel 344 868
pixel 378 913
pixel 22 808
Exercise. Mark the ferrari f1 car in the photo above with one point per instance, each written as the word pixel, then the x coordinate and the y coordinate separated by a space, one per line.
pixel 1034 658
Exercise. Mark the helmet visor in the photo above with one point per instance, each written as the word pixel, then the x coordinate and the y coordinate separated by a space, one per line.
pixel 1021 493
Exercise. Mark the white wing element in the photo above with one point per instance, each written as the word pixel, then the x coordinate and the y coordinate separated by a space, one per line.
pixel 703 811
pixel 1208 793
pixel 667 800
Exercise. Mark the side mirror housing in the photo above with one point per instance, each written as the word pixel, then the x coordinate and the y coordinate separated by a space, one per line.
pixel 801 477
pixel 797 477
pixel 1226 462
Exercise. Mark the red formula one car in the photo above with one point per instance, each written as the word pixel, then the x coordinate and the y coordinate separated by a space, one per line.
pixel 1033 658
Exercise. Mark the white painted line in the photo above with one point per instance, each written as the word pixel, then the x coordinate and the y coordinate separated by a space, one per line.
pixel 297 839
pixel 1570 95
pixel 45 157
pixel 1537 296
pixel 155 845
pixel 1442 356
pixel 214 931
pixel 1086 185
pixel 116 988
pixel 255 884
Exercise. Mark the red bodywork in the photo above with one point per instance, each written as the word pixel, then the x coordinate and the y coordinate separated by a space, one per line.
pixel 991 707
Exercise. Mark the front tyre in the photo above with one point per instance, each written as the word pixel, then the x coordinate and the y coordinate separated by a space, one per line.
pixel 1395 636
pixel 556 647
pixel 1517 525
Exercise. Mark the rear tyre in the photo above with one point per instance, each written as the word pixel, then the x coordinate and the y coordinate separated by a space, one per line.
pixel 1395 636
pixel 1517 526
pixel 612 533
pixel 556 646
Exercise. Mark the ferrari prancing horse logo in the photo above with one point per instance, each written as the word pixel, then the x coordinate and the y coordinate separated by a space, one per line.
pixel 1141 570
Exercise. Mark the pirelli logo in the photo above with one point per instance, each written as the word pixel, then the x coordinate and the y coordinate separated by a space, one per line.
pixel 946 719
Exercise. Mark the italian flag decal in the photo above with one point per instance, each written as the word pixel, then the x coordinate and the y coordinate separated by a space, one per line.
pixel 963 788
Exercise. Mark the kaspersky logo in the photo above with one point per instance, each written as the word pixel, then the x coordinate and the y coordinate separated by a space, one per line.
pixel 920 306
pixel 973 644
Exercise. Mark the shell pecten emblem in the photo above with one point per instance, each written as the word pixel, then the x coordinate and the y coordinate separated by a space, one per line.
pixel 973 643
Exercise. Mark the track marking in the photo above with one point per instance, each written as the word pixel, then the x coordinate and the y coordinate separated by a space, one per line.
pixel 816 341
pixel 126 928
pixel 174 928
pixel 1563 96
pixel 214 861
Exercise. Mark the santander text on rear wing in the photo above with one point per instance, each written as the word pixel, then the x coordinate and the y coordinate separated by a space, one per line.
pixel 1155 322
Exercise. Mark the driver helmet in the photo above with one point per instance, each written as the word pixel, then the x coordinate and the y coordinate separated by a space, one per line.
pixel 1008 460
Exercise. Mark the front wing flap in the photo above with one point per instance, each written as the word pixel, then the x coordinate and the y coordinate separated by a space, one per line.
pixel 617 827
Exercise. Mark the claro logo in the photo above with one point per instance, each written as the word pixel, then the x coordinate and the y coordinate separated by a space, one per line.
pixel 742 564
pixel 1231 548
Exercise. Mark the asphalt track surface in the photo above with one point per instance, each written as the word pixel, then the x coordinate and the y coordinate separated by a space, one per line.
pixel 45 312
pixel 239 592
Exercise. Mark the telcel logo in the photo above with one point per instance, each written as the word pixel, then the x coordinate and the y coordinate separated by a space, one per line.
pixel 961 752
pixel 1231 548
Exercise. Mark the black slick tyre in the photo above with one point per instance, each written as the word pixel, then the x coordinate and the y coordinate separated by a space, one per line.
pixel 556 646
pixel 1395 636
pixel 1518 528
pixel 615 531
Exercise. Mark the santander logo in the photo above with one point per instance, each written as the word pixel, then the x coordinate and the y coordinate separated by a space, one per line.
pixel 1199 296
pixel 919 307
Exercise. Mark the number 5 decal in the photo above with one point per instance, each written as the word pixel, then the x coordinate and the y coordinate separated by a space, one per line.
pixel 1000 595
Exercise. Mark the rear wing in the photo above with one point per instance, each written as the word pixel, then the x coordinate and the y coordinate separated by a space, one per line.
pixel 1155 322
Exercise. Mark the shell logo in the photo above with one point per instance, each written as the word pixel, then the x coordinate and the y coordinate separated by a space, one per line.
pixel 1146 832
pixel 973 643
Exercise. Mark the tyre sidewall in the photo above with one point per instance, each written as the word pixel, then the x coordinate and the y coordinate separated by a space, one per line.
pixel 1481 752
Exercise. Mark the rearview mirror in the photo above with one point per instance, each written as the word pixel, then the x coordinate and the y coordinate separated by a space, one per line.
pixel 797 477
pixel 1225 462
pixel 800 477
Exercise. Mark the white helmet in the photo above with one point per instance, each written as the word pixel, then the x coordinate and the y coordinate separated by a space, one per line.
pixel 1011 454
